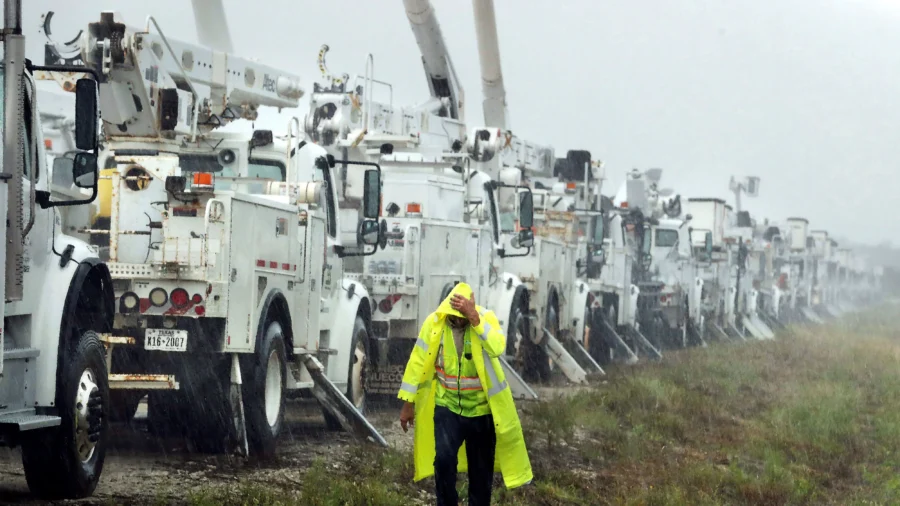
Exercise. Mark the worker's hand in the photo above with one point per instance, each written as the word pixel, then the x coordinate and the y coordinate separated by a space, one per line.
pixel 467 308
pixel 407 416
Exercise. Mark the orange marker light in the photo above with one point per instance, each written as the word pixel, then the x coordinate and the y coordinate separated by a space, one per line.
pixel 202 179
pixel 413 207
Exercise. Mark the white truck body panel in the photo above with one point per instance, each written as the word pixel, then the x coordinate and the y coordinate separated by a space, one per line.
pixel 709 215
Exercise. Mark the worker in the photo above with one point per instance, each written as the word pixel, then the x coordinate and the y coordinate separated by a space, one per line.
pixel 459 403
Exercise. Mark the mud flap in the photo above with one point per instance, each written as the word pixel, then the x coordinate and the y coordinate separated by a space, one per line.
pixel 518 386
pixel 334 401
pixel 236 399
pixel 620 343
pixel 811 315
pixel 646 344
pixel 565 361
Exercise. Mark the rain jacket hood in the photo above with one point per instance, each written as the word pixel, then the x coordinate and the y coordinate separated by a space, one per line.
pixel 445 309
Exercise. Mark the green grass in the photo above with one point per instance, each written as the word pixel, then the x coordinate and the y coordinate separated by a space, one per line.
pixel 812 418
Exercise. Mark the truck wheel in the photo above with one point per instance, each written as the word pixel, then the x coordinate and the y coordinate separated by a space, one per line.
pixel 599 345
pixel 518 330
pixel 66 461
pixel 360 367
pixel 264 392
pixel 536 360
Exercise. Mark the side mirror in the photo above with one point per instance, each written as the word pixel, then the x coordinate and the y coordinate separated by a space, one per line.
pixel 369 233
pixel 371 195
pixel 84 170
pixel 86 115
pixel 708 244
pixel 526 211
pixel 525 239
pixel 62 170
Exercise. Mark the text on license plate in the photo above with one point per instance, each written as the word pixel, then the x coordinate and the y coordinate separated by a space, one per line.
pixel 165 339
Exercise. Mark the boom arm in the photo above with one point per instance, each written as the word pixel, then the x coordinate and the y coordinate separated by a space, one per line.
pixel 212 24
pixel 439 69
pixel 152 85
pixel 495 112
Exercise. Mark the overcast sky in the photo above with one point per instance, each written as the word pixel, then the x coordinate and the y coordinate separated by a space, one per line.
pixel 798 92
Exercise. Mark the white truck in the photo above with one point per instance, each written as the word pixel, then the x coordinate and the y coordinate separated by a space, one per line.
pixel 603 307
pixel 57 295
pixel 442 211
pixel 224 248
pixel 548 269
pixel 668 306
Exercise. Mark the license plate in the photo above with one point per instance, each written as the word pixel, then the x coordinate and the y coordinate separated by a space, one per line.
pixel 165 339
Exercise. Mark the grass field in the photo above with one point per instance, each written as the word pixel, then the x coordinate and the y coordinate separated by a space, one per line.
pixel 811 418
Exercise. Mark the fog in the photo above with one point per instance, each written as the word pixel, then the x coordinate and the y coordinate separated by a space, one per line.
pixel 797 92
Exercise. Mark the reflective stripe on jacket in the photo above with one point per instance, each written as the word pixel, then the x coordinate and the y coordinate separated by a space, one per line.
pixel 458 387
pixel 420 385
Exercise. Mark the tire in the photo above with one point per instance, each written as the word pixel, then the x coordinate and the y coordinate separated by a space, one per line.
pixel 536 360
pixel 599 345
pixel 518 332
pixel 357 373
pixel 264 392
pixel 66 462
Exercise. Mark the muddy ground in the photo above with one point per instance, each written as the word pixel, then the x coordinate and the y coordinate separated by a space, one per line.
pixel 143 469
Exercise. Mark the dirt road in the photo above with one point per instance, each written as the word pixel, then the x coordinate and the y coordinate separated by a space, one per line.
pixel 143 469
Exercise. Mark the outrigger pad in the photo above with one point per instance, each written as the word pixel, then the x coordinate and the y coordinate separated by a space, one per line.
pixel 339 406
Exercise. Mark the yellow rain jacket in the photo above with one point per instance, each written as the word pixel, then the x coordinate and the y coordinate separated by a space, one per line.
pixel 420 382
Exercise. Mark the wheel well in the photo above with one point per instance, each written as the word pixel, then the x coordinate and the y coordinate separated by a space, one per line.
pixel 553 302
pixel 365 312
pixel 276 309
pixel 90 288
pixel 521 300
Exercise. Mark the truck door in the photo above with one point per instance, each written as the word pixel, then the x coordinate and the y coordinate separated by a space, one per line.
pixel 332 270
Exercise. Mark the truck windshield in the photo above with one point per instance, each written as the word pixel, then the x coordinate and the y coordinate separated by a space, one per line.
pixel 508 222
pixel 666 238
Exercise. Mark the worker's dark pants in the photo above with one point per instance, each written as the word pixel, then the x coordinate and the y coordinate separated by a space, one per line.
pixel 450 430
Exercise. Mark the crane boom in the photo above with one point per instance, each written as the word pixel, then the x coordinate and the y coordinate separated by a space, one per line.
pixel 152 85
pixel 495 111
pixel 439 70
pixel 212 24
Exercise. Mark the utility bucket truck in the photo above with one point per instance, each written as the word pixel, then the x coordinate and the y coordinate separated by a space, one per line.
pixel 516 162
pixel 802 270
pixel 442 211
pixel 562 211
pixel 602 301
pixel 225 249
pixel 822 254
pixel 664 271
pixel 707 233
pixel 57 294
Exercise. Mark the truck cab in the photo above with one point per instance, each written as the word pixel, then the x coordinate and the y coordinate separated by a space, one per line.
pixel 58 303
